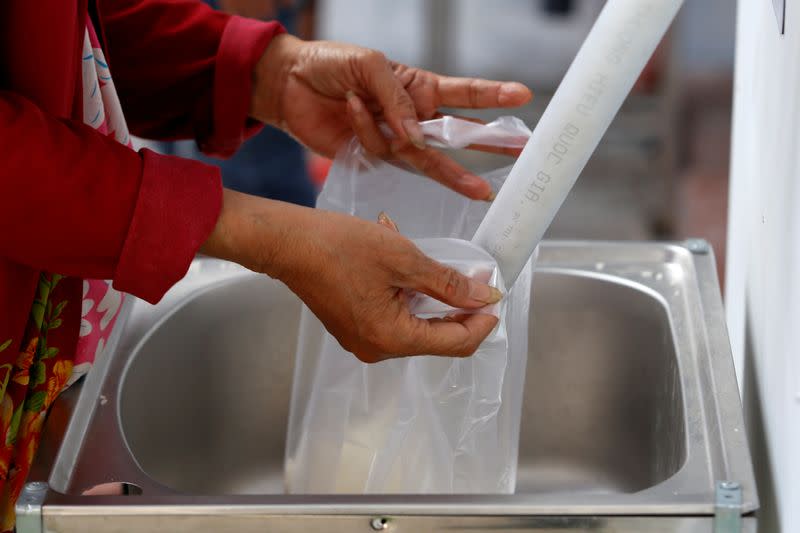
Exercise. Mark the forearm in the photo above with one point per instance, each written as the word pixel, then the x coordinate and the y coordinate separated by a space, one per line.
pixel 256 232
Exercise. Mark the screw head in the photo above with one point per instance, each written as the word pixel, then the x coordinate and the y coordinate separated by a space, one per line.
pixel 729 485
pixel 379 523
pixel 36 486
pixel 698 246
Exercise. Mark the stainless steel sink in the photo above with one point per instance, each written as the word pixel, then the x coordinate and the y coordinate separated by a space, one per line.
pixel 631 408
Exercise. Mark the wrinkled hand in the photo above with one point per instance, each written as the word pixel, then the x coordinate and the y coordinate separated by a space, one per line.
pixel 354 275
pixel 323 93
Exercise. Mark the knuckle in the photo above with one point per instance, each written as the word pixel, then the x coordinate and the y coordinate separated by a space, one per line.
pixel 451 282
pixel 470 347
pixel 426 108
pixel 399 254
pixel 474 92
pixel 373 57
pixel 408 264
pixel 402 98
pixel 426 162
pixel 422 338
pixel 408 340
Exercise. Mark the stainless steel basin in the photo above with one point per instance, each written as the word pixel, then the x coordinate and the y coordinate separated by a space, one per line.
pixel 631 407
pixel 603 408
pixel 204 401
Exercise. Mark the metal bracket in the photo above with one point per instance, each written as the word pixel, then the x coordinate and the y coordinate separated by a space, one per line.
pixel 29 507
pixel 728 508
pixel 780 13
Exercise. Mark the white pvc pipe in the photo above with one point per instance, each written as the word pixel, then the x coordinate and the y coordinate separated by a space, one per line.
pixel 608 64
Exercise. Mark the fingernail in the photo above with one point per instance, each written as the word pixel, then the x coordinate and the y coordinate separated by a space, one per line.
pixel 471 180
pixel 491 197
pixel 511 93
pixel 414 132
pixel 384 220
pixel 484 293
pixel 353 101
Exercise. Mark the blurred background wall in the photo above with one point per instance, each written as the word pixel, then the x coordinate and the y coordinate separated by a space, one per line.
pixel 763 295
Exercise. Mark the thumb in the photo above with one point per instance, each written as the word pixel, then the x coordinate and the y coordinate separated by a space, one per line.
pixel 398 107
pixel 448 285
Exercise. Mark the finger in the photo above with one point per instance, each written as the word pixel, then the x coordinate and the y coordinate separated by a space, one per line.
pixel 444 170
pixel 447 284
pixel 385 221
pixel 474 120
pixel 459 338
pixel 364 126
pixel 377 116
pixel 398 107
pixel 500 150
pixel 476 93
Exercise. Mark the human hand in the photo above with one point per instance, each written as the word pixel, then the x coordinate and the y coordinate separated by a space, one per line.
pixel 323 93
pixel 354 276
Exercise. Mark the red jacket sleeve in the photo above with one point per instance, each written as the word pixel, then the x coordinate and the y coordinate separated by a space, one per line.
pixel 183 70
pixel 79 203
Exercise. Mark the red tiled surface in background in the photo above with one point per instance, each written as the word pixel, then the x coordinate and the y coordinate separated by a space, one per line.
pixel 702 192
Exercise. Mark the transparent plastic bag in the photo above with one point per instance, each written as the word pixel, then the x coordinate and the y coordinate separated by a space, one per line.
pixel 420 424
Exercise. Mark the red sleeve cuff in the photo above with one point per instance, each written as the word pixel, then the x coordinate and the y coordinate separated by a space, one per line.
pixel 242 45
pixel 177 208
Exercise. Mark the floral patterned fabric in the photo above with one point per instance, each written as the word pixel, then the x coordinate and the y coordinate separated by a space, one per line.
pixel 51 359
pixel 101 110
pixel 30 387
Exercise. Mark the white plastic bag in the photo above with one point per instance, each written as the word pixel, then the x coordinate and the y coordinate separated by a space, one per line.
pixel 420 424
